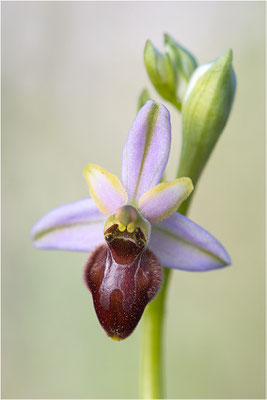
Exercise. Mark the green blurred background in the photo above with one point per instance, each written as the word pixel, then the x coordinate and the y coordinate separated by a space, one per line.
pixel 71 75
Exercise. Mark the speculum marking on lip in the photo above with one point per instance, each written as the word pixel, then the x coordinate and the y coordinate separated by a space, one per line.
pixel 125 246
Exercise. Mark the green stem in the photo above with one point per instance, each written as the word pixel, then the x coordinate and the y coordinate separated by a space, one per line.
pixel 151 379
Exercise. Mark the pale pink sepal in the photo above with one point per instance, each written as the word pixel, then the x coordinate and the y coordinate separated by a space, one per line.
pixel 75 226
pixel 181 244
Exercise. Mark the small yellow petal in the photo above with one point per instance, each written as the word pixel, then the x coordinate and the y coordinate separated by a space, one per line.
pixel 159 202
pixel 105 188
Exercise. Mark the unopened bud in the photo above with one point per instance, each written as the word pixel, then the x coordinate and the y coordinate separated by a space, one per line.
pixel 142 99
pixel 161 72
pixel 205 110
pixel 183 61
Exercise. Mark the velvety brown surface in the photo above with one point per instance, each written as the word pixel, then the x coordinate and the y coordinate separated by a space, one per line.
pixel 121 291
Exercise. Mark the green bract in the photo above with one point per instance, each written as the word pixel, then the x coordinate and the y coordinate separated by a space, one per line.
pixel 183 61
pixel 143 98
pixel 205 110
pixel 161 72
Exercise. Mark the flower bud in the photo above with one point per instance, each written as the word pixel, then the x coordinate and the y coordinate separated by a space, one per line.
pixel 161 72
pixel 205 110
pixel 183 61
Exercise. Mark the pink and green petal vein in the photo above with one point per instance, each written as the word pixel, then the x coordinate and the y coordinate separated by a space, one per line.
pixel 146 150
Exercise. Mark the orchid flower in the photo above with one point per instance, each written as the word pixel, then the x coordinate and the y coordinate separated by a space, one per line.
pixel 131 227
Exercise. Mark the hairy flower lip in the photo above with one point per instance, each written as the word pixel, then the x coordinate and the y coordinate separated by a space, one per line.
pixel 121 292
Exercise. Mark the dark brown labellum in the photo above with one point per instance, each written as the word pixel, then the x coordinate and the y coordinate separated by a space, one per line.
pixel 123 277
